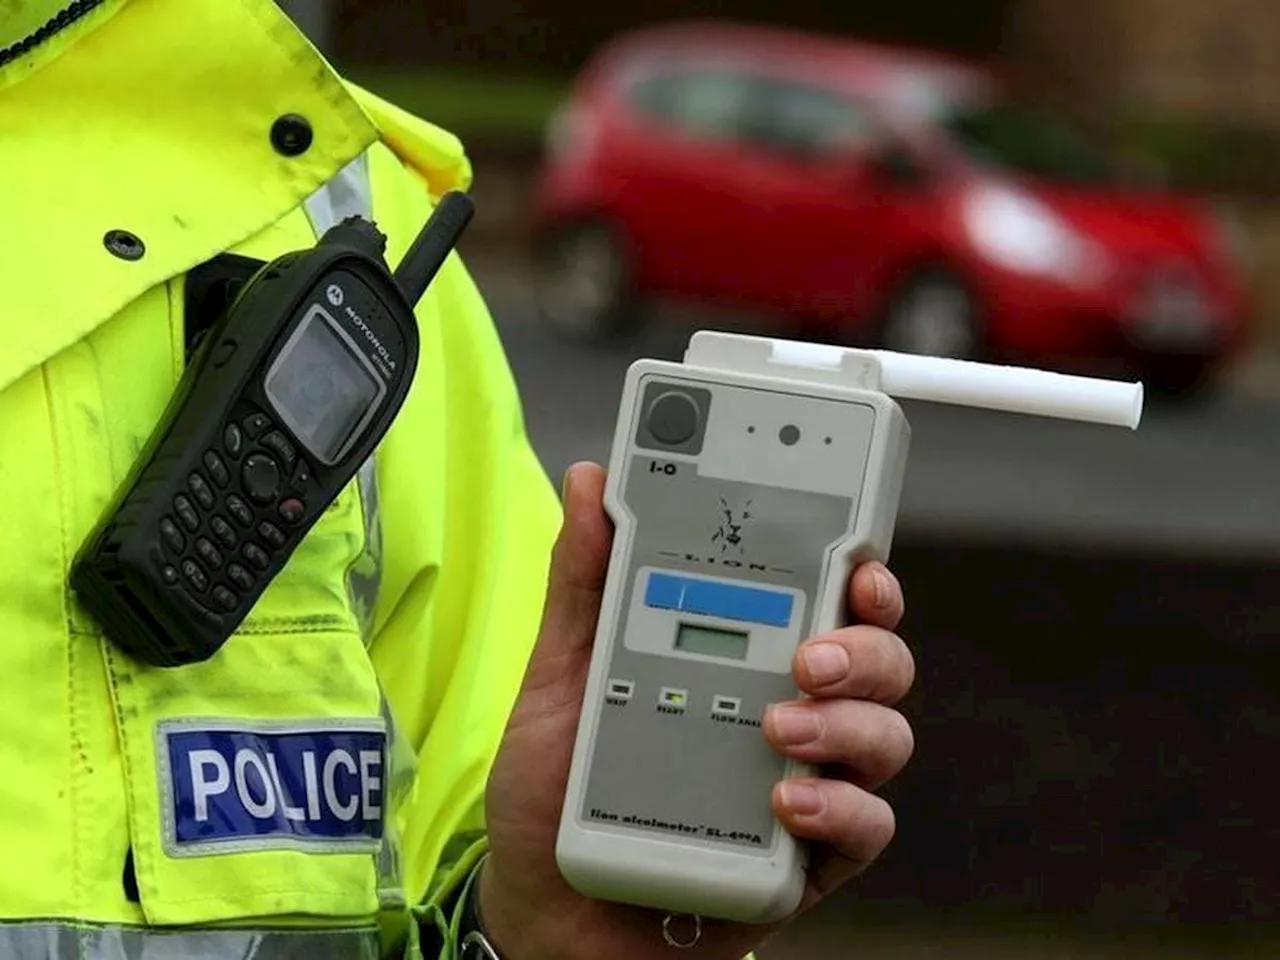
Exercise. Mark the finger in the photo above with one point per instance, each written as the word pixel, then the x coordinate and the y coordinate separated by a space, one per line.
pixel 875 596
pixel 828 871
pixel 856 824
pixel 579 562
pixel 871 741
pixel 865 663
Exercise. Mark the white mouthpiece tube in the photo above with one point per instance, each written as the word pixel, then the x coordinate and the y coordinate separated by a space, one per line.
pixel 1013 389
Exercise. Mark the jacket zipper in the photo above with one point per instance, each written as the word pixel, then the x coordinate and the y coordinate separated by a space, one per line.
pixel 64 19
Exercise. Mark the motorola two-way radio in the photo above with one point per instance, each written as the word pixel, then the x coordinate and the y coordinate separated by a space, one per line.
pixel 285 397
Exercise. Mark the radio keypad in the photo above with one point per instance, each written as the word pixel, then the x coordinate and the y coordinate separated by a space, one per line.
pixel 272 534
pixel 256 555
pixel 255 423
pixel 186 513
pixel 217 469
pixel 292 509
pixel 195 576
pixel 282 448
pixel 233 441
pixel 200 490
pixel 172 535
pixel 267 461
pixel 241 577
pixel 208 553
pixel 240 511
pixel 222 530
pixel 225 598
pixel 261 478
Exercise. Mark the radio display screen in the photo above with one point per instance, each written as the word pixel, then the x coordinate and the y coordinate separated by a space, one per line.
pixel 321 387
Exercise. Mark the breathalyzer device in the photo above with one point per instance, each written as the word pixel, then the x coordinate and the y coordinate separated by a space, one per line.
pixel 286 396
pixel 744 485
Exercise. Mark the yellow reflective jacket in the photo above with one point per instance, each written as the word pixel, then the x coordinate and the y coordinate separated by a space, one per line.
pixel 407 614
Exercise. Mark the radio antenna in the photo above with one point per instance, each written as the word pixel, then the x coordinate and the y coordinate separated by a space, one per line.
pixel 433 245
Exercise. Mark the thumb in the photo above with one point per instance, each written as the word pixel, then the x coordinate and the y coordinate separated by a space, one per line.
pixel 575 585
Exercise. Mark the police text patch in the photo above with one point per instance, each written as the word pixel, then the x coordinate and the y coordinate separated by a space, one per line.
pixel 240 785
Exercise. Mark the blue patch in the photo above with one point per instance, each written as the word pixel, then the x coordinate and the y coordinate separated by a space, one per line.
pixel 714 599
pixel 235 785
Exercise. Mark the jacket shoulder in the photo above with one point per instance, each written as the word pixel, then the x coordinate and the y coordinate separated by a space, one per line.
pixel 434 153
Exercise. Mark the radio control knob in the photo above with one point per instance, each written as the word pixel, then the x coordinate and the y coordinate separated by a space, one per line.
pixel 261 478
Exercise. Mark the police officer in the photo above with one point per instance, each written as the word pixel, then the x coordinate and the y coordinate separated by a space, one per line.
pixel 373 765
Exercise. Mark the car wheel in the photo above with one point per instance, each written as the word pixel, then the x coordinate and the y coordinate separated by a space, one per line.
pixel 1179 379
pixel 584 282
pixel 933 314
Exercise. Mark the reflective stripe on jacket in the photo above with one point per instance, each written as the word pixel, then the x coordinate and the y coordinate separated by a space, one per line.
pixel 182 812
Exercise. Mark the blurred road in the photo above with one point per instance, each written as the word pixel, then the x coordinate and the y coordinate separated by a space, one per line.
pixel 1193 478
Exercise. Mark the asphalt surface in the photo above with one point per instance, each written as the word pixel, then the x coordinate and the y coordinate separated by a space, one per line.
pixel 1195 478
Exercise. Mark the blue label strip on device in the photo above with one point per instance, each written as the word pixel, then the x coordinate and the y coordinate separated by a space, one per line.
pixel 728 600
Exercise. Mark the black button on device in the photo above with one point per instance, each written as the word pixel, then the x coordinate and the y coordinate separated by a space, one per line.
pixel 277 444
pixel 200 488
pixel 241 577
pixel 673 418
pixel 217 469
pixel 255 423
pixel 223 352
pixel 224 598
pixel 170 575
pixel 232 441
pixel 301 476
pixel 261 478
pixel 272 534
pixel 172 535
pixel 208 553
pixel 240 511
pixel 292 509
pixel 195 576
pixel 222 530
pixel 186 513
pixel 291 135
pixel 257 556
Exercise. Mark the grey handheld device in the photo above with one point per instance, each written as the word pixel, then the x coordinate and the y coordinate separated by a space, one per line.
pixel 744 484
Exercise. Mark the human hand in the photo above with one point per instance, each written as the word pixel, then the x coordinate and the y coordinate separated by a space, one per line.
pixel 853 677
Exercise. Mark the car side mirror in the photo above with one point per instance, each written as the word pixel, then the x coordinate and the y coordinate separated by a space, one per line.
pixel 896 166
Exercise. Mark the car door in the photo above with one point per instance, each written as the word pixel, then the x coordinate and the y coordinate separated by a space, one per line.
pixel 837 223
pixel 691 193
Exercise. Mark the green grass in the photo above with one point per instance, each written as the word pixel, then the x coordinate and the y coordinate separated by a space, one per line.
pixel 473 105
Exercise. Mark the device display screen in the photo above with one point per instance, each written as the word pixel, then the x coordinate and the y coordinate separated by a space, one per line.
pixel 321 387
pixel 711 642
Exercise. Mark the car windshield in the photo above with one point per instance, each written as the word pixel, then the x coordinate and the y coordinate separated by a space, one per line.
pixel 1031 141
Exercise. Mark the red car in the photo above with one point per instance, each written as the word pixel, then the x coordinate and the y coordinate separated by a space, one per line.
pixel 873 195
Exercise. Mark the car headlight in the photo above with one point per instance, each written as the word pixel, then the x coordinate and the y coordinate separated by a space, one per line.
pixel 1017 232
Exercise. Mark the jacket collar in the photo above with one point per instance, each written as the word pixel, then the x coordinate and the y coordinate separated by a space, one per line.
pixel 147 125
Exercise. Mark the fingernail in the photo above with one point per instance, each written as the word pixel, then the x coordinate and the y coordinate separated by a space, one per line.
pixel 826 663
pixel 883 588
pixel 802 798
pixel 564 485
pixel 794 725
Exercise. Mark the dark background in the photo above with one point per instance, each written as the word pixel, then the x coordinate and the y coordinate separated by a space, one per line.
pixel 559 35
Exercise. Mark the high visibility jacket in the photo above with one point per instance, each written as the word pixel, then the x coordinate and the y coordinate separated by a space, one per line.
pixel 320 780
